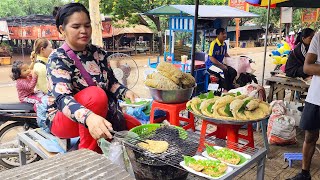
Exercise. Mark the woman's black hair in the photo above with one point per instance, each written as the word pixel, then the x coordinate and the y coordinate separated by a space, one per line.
pixel 62 13
pixel 303 34
pixel 16 71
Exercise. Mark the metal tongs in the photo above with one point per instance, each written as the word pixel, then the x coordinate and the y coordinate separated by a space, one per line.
pixel 127 135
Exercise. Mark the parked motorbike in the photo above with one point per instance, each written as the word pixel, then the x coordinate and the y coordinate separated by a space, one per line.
pixel 15 118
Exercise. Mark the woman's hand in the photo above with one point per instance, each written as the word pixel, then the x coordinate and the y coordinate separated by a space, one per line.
pixel 98 126
pixel 131 95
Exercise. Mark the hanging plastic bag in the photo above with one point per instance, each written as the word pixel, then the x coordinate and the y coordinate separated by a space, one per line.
pixel 116 153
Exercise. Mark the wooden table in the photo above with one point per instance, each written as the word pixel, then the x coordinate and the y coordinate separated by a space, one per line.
pixel 279 84
pixel 80 164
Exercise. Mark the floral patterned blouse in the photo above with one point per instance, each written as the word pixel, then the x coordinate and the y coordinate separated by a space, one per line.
pixel 65 80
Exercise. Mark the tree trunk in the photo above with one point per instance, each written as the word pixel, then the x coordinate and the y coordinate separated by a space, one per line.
pixel 95 22
pixel 156 21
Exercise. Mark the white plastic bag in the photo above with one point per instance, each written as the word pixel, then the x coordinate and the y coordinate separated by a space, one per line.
pixel 116 153
pixel 281 127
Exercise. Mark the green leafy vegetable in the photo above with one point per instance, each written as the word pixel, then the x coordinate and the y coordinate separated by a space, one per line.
pixel 243 107
pixel 147 110
pixel 188 160
pixel 210 95
pixel 238 93
pixel 127 100
pixel 210 149
pixel 242 159
pixel 209 108
pixel 227 110
pixel 198 106
pixel 202 96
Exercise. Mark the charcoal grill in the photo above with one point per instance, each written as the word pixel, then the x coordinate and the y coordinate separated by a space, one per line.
pixel 147 165
pixel 164 166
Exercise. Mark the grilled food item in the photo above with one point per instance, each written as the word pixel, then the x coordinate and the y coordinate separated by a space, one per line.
pixel 213 168
pixel 224 155
pixel 230 107
pixel 252 105
pixel 217 171
pixel 255 114
pixel 155 147
pixel 194 104
pixel 158 81
pixel 206 106
pixel 188 80
pixel 266 109
pixel 196 167
pixel 170 71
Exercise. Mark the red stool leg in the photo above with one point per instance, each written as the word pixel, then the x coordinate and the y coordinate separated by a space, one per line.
pixel 152 114
pixel 202 135
pixel 191 121
pixel 249 136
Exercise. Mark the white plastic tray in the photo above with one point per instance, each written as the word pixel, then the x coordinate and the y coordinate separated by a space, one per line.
pixel 230 169
pixel 247 156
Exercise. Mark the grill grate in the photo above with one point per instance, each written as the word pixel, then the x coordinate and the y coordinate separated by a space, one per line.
pixel 177 147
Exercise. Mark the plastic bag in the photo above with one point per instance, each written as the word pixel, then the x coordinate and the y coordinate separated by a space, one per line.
pixel 281 127
pixel 116 153
pixel 143 113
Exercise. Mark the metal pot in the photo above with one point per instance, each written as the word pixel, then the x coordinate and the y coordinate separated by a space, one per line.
pixel 171 96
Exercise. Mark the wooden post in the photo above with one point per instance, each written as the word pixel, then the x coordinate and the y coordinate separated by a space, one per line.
pixel 95 22
pixel 237 31
pixel 135 44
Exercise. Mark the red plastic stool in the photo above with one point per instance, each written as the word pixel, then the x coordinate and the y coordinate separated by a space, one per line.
pixel 172 115
pixel 227 131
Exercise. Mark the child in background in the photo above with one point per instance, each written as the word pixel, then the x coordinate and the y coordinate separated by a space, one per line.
pixel 26 82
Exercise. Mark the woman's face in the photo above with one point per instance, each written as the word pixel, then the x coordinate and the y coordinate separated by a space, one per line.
pixel 77 31
pixel 308 39
pixel 45 52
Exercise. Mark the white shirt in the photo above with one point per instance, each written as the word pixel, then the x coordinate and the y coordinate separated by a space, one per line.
pixel 313 96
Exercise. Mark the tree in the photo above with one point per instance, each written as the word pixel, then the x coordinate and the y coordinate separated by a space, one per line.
pixel 130 10
pixel 10 8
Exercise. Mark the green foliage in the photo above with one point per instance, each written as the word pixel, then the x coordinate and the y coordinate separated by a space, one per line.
pixel 274 15
pixel 10 8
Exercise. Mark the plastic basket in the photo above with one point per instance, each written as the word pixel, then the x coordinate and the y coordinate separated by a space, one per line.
pixel 149 128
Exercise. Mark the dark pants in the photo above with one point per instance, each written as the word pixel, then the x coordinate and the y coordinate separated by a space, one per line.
pixel 229 75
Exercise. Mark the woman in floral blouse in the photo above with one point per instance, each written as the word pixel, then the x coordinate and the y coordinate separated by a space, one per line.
pixel 74 107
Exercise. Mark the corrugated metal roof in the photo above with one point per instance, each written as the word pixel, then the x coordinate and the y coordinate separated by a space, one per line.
pixel 205 11
pixel 137 29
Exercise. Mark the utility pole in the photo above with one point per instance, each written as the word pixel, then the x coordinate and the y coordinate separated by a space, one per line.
pixel 95 22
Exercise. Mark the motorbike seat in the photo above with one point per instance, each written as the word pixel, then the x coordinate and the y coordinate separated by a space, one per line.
pixel 17 107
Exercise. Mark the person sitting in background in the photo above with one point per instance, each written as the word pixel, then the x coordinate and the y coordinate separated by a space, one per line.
pixel 25 82
pixel 294 65
pixel 217 52
pixel 41 50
